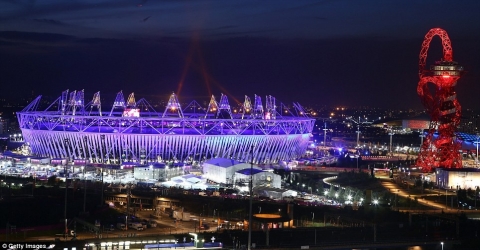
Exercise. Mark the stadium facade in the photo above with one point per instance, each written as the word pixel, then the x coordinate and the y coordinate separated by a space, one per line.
pixel 133 131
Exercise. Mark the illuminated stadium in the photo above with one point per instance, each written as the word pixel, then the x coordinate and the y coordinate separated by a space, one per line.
pixel 133 131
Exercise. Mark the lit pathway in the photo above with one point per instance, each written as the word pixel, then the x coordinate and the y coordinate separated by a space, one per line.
pixel 402 192
pixel 405 193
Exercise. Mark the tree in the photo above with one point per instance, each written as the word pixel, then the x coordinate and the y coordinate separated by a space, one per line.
pixel 418 183
pixel 320 189
pixel 52 180
pixel 331 191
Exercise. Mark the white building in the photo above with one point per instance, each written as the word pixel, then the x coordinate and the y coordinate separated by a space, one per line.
pixel 261 178
pixel 222 170
pixel 157 171
pixel 237 174
pixel 463 178
pixel 189 181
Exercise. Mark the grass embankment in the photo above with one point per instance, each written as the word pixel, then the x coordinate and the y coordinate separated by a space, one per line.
pixel 362 181
pixel 357 184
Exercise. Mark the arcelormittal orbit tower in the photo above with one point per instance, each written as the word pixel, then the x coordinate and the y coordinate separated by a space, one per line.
pixel 442 106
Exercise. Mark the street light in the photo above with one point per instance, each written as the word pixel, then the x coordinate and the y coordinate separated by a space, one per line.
pixel 65 209
pixel 357 156
pixel 67 141
pixel 396 198
pixel 441 243
pixel 251 202
pixel 476 194
pixel 84 186
pixel 446 199
pixel 421 139
pixel 129 192
pixel 477 142
pixel 102 137
pixel 358 132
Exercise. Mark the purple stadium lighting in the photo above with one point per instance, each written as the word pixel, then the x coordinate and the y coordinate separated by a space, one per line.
pixel 133 131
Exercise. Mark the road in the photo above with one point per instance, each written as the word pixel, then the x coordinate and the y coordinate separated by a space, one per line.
pixel 165 226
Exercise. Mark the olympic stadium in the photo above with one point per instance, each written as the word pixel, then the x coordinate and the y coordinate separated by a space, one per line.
pixel 133 131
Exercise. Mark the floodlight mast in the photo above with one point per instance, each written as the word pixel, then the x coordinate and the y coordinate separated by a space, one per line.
pixel 391 133
pixel 325 137
pixel 358 129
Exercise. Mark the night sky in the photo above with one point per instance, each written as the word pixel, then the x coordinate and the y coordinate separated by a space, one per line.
pixel 339 52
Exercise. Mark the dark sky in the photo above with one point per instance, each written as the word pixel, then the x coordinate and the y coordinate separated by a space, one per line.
pixel 338 52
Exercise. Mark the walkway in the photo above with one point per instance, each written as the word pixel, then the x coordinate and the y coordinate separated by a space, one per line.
pixel 401 191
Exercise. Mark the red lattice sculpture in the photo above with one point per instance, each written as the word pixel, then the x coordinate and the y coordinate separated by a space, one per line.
pixel 442 106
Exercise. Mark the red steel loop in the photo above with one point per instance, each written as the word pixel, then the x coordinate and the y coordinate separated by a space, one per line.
pixel 447 48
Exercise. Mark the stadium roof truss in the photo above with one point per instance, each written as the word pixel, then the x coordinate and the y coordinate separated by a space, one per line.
pixel 64 129
pixel 150 125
